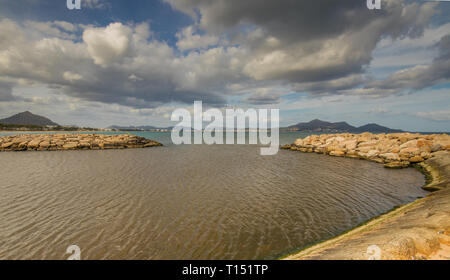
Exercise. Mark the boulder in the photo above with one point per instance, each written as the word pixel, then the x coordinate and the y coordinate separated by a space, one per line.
pixel 7 145
pixel 337 153
pixel 364 149
pixel 396 164
pixel 34 143
pixel 298 142
pixel 390 156
pixel 416 159
pixel 367 143
pixel 70 146
pixel 44 144
pixel 410 150
pixel 372 153
pixel 424 143
pixel 436 148
pixel 350 144
pixel 409 144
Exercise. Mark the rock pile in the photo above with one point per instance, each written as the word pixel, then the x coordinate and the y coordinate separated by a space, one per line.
pixel 56 142
pixel 396 150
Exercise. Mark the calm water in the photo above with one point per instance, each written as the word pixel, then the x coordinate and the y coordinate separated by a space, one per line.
pixel 187 202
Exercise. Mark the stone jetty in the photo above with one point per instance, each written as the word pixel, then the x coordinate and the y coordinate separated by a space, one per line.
pixel 396 150
pixel 416 231
pixel 56 142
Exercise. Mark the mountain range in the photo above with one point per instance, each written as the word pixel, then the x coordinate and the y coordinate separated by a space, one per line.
pixel 323 126
pixel 28 118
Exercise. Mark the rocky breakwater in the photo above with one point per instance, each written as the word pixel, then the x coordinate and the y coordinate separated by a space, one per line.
pixel 56 142
pixel 419 230
pixel 396 150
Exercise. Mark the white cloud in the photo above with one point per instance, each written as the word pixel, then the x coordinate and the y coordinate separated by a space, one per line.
pixel 440 115
pixel 187 40
pixel 95 4
pixel 107 45
pixel 125 64
pixel 72 77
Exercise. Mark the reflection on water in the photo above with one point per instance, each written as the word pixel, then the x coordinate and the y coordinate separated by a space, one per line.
pixel 187 202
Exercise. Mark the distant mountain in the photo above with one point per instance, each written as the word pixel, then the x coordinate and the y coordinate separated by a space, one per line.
pixel 144 127
pixel 373 127
pixel 27 118
pixel 322 126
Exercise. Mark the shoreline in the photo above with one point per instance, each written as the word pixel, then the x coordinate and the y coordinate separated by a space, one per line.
pixel 417 230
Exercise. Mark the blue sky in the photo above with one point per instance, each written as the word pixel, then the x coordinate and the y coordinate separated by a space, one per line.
pixel 134 62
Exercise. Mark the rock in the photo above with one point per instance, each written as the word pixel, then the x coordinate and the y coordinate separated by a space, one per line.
pixel 44 144
pixel 337 153
pixel 53 142
pixel 298 142
pixel 350 144
pixel 409 144
pixel 59 143
pixel 424 143
pixel 396 150
pixel 7 145
pixel 84 144
pixel 320 150
pixel 416 159
pixel 362 154
pixel 403 139
pixel 396 164
pixel 372 153
pixel 34 144
pixel 390 156
pixel 364 149
pixel 410 150
pixel 436 148
pixel 425 155
pixel 23 145
pixel 70 146
pixel 352 153
pixel 367 143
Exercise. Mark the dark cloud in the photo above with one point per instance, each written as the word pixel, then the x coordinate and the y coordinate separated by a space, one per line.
pixel 308 41
pixel 420 76
pixel 6 88
pixel 315 46
pixel 5 92
pixel 262 98
pixel 300 20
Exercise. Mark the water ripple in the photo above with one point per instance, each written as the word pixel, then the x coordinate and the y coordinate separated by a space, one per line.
pixel 189 202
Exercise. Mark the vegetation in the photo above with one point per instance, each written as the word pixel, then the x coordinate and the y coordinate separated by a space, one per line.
pixel 30 127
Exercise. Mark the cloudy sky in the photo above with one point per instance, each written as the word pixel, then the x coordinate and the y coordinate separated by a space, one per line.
pixel 134 62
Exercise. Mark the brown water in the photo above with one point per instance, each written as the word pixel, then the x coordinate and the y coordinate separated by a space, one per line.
pixel 187 202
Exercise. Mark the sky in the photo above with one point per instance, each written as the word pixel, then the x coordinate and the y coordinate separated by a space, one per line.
pixel 134 62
